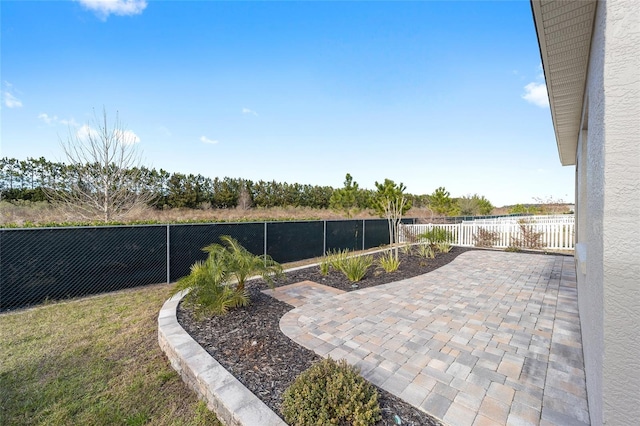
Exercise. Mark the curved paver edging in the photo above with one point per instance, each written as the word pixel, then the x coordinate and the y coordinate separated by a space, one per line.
pixel 232 402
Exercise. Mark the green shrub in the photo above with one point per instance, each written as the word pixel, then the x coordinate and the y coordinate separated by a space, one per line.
pixel 388 262
pixel 436 235
pixel 513 249
pixel 355 267
pixel 330 393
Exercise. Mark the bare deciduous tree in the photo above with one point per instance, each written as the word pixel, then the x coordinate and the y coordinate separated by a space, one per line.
pixel 244 199
pixel 106 162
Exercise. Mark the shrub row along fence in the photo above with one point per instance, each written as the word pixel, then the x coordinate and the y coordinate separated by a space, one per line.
pixel 556 232
pixel 40 264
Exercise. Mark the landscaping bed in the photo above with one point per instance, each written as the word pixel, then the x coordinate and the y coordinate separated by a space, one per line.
pixel 249 344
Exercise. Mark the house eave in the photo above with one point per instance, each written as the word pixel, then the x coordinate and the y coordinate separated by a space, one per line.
pixel 564 29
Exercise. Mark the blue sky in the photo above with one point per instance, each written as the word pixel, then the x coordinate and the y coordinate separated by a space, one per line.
pixel 428 93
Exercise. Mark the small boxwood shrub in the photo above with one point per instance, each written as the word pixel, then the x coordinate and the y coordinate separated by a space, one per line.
pixel 331 393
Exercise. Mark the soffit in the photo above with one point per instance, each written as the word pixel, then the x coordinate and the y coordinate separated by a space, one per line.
pixel 564 30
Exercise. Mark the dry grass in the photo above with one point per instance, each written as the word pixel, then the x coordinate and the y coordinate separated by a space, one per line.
pixel 41 213
pixel 93 361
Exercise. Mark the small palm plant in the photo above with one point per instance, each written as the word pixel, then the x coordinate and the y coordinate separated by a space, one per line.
pixel 211 282
pixel 241 264
pixel 209 292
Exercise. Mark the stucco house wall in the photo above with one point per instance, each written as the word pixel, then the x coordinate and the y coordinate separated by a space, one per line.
pixel 608 212
pixel 591 56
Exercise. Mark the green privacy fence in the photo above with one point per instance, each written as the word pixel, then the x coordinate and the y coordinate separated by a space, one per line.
pixel 39 264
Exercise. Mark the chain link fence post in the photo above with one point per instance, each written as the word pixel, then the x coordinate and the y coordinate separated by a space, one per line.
pixel 168 254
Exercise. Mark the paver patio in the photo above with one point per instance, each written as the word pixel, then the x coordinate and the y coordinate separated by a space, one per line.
pixel 492 338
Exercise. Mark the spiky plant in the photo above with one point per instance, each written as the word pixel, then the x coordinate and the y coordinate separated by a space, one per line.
pixel 336 258
pixel 443 247
pixel 388 262
pixel 426 251
pixel 211 283
pixel 325 266
pixel 355 267
pixel 241 264
pixel 209 290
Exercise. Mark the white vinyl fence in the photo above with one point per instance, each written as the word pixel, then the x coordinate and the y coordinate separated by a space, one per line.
pixel 557 231
pixel 555 219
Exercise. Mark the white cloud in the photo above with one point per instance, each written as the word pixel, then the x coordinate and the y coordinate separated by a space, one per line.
pixel 125 137
pixel 70 122
pixel 536 93
pixel 205 139
pixel 86 132
pixel 104 8
pixel 45 117
pixel 249 111
pixel 53 119
pixel 9 100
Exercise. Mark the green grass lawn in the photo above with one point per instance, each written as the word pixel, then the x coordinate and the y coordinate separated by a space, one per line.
pixel 93 361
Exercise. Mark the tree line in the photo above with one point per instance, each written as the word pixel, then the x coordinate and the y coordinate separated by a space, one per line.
pixel 31 179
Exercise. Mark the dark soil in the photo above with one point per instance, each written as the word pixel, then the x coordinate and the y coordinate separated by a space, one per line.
pixel 249 344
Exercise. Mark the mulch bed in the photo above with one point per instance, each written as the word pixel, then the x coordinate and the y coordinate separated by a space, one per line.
pixel 249 344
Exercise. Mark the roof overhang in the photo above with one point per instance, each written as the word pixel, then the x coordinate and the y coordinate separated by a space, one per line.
pixel 564 29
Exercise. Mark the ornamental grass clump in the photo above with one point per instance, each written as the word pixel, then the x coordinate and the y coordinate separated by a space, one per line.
pixel 407 249
pixel 443 247
pixel 356 267
pixel 325 266
pixel 426 251
pixel 333 259
pixel 331 393
pixel 388 262
pixel 337 258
